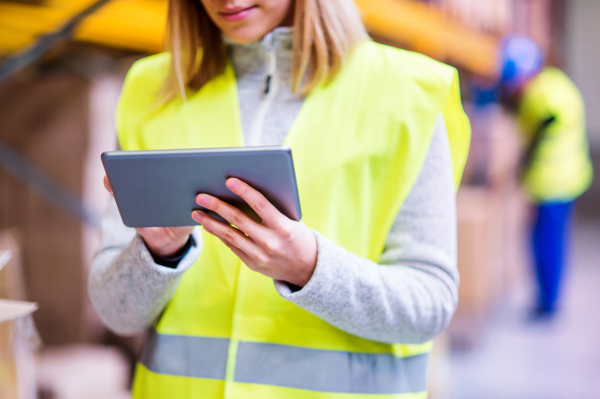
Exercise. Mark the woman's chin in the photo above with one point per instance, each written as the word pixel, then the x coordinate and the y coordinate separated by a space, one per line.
pixel 246 35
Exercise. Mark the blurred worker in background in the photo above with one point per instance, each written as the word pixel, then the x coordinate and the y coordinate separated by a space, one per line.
pixel 555 168
pixel 345 302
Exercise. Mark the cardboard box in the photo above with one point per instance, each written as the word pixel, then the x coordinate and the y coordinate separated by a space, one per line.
pixel 18 336
pixel 492 246
pixel 18 341
pixel 58 121
pixel 11 273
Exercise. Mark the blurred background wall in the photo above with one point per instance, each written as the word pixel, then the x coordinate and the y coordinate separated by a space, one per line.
pixel 583 58
pixel 56 117
pixel 582 43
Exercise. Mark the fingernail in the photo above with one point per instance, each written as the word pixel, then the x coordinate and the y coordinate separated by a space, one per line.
pixel 232 183
pixel 202 200
pixel 197 216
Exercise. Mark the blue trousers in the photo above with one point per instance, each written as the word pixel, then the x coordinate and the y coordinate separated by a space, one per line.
pixel 551 238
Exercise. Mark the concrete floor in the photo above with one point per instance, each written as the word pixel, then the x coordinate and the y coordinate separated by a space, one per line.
pixel 519 359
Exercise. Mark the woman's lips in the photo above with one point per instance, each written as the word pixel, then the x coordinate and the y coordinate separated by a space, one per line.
pixel 237 14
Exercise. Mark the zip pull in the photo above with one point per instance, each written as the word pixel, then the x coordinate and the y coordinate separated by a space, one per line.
pixel 271 89
pixel 271 66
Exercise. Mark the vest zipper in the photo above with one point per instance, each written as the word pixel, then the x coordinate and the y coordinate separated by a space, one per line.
pixel 270 92
pixel 271 68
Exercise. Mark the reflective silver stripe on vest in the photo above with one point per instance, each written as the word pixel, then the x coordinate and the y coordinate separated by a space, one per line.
pixel 187 356
pixel 286 366
pixel 329 371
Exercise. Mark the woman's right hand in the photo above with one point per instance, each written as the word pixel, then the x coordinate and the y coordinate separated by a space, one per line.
pixel 161 241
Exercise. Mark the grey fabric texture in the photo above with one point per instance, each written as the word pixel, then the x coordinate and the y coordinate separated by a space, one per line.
pixel 250 69
pixel 127 289
pixel 409 297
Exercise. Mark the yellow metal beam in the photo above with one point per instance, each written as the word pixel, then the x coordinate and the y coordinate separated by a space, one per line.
pixel 139 25
pixel 21 24
pixel 133 24
pixel 428 30
pixel 30 19
pixel 12 41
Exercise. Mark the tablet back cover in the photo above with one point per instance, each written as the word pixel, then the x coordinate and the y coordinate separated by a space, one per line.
pixel 159 188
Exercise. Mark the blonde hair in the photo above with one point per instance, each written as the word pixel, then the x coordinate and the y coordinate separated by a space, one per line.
pixel 325 33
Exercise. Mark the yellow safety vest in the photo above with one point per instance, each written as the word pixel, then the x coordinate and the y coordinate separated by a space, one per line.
pixel 561 169
pixel 358 144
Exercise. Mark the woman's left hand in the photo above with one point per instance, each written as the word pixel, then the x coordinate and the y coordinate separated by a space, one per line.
pixel 279 247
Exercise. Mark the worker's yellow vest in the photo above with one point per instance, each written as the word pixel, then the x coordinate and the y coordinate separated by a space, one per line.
pixel 561 169
pixel 358 144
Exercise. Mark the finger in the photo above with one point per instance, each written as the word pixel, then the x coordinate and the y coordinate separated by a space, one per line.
pixel 267 212
pixel 240 254
pixel 231 235
pixel 107 185
pixel 232 214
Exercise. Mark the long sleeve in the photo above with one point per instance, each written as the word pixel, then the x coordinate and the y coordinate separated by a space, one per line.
pixel 128 290
pixel 408 297
pixel 412 294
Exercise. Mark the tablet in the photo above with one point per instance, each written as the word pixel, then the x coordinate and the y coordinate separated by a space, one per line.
pixel 159 188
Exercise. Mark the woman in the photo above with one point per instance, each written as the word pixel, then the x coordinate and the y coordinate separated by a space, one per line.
pixel 344 302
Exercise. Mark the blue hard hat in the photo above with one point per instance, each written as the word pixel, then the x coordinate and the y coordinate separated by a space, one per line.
pixel 521 59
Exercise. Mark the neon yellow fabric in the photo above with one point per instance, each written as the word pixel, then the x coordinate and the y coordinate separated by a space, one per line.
pixel 153 385
pixel 269 392
pixel 358 145
pixel 561 167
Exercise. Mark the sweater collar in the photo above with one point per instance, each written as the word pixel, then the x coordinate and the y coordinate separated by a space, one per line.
pixel 251 58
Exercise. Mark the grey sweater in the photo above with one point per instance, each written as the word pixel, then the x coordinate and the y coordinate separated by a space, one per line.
pixel 409 297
